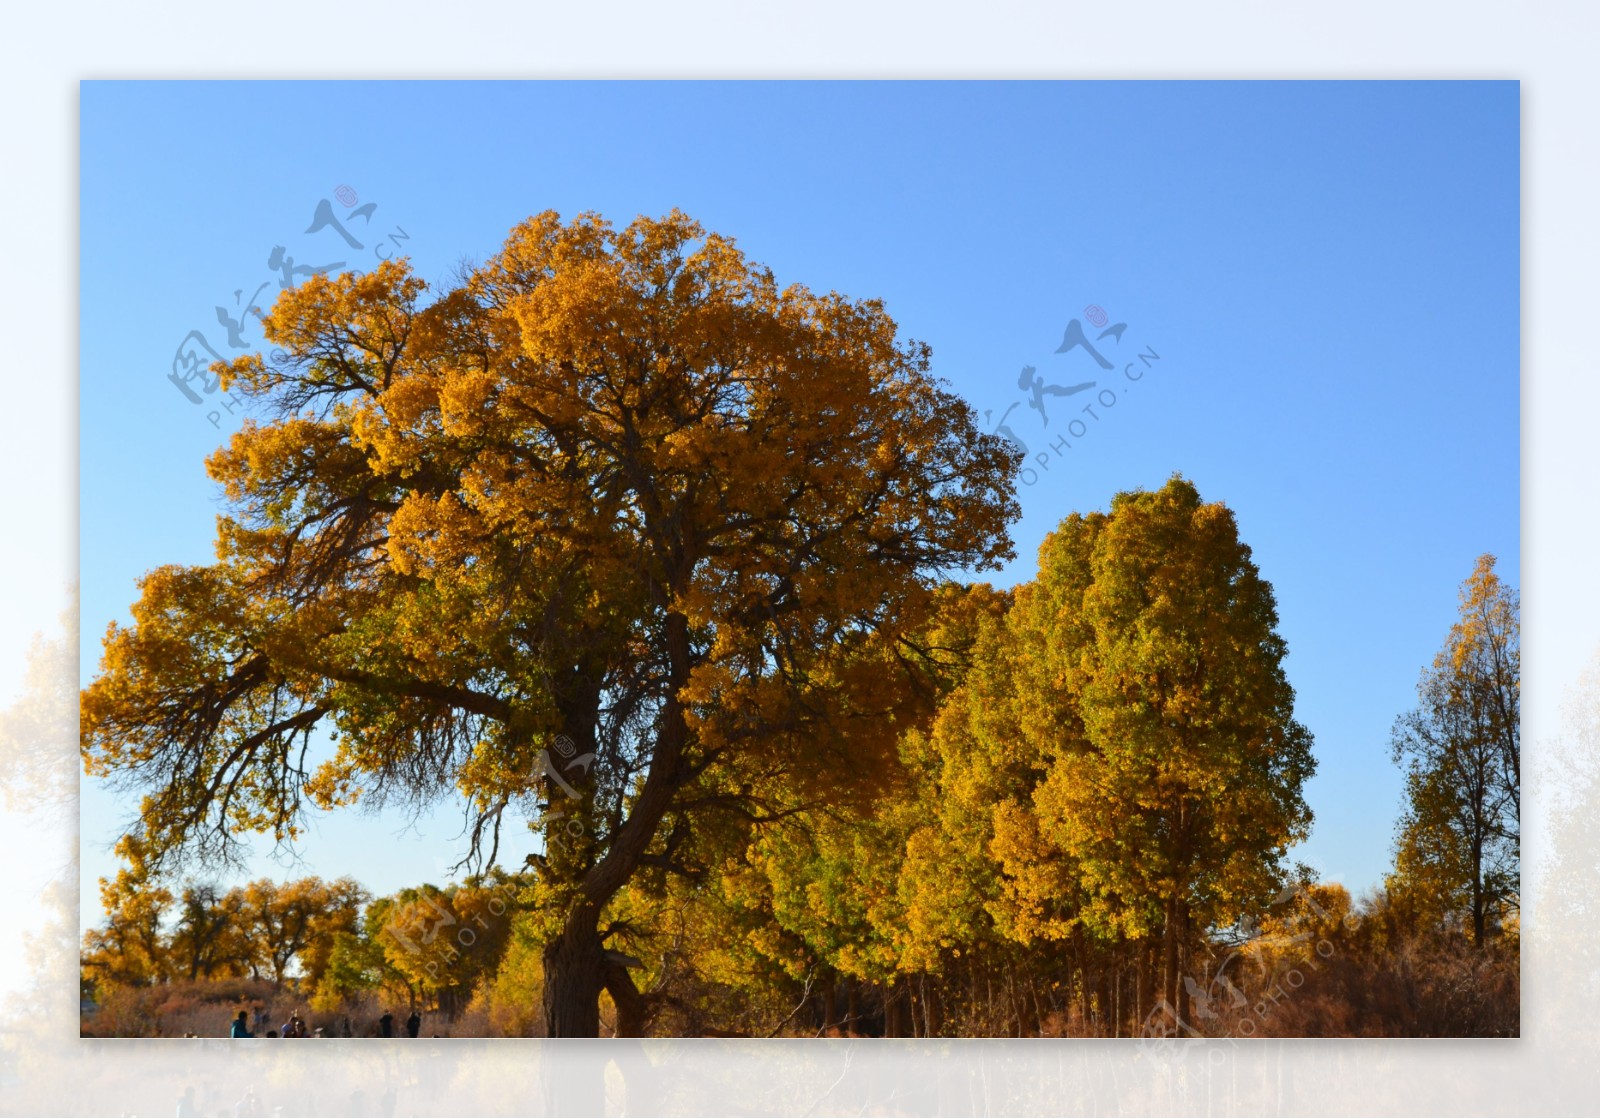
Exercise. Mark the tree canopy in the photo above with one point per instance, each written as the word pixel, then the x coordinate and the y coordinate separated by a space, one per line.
pixel 614 494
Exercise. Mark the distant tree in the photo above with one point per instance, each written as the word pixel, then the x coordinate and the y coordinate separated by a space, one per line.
pixel 1114 764
pixel 131 950
pixel 358 961
pixel 839 881
pixel 209 940
pixel 441 943
pixel 295 922
pixel 338 907
pixel 355 965
pixel 977 866
pixel 1457 850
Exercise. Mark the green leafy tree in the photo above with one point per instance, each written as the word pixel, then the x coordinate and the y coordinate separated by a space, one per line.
pixel 355 965
pixel 1150 686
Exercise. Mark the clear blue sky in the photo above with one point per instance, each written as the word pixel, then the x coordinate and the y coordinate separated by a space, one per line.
pixel 1328 271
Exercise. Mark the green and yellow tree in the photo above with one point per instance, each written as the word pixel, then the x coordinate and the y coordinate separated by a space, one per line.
pixel 1151 692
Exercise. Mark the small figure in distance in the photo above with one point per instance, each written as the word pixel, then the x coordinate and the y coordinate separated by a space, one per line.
pixel 241 1026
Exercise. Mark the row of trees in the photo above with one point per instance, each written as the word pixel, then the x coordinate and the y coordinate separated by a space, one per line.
pixel 263 930
pixel 952 900
pixel 1084 808
pixel 325 943
pixel 618 532
pixel 1070 808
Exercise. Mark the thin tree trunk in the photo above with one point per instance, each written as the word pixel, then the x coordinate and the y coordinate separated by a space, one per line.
pixel 1182 1004
pixel 1116 996
pixel 1144 989
pixel 1169 957
pixel 1477 893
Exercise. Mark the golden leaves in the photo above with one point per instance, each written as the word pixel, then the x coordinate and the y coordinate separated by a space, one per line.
pixel 611 470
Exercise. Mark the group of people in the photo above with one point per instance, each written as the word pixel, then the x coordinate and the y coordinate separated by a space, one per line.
pixel 296 1026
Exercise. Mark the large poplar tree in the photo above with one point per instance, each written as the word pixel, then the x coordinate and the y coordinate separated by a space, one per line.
pixel 604 526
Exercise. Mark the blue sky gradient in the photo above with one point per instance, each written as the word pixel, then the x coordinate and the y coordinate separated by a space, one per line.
pixel 1328 271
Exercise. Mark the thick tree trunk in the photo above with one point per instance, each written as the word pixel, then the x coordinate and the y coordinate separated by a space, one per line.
pixel 574 963
pixel 574 973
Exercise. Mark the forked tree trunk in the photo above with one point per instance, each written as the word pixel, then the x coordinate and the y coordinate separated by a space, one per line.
pixel 575 966
pixel 633 1006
